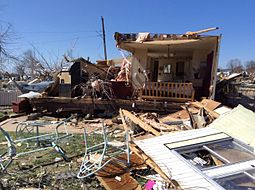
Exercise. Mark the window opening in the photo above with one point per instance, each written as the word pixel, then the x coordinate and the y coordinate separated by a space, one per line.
pixel 167 69
pixel 213 154
pixel 240 181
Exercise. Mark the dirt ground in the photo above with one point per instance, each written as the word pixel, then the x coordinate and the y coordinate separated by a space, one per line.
pixel 11 124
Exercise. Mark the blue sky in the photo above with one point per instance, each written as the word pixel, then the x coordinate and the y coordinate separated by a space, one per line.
pixel 53 26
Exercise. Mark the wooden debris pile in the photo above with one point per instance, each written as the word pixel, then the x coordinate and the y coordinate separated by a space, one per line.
pixel 146 125
pixel 141 172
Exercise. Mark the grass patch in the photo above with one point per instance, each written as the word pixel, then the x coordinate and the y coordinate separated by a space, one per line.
pixel 72 146
pixel 46 176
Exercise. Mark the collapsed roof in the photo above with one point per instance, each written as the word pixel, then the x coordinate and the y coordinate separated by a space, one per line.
pixel 131 41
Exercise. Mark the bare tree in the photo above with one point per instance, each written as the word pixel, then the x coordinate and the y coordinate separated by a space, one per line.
pixel 235 65
pixel 20 69
pixel 34 64
pixel 4 40
pixel 250 66
pixel 30 61
pixel 6 37
pixel 56 62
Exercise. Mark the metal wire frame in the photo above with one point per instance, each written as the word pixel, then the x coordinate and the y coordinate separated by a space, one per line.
pixel 4 161
pixel 52 139
pixel 107 153
pixel 29 127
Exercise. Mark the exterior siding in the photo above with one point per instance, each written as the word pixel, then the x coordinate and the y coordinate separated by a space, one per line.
pixel 173 165
pixel 228 170
pixel 7 97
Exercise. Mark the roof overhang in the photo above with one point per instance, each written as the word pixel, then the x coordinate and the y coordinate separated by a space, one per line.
pixel 180 43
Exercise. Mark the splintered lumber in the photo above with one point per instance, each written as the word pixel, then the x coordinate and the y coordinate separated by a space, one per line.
pixel 210 104
pixel 116 168
pixel 126 128
pixel 161 126
pixel 202 31
pixel 177 116
pixel 211 112
pixel 154 166
pixel 117 176
pixel 139 122
pixel 192 120
pixel 122 182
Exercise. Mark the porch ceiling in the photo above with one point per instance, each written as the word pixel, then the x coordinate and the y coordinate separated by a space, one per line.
pixel 180 44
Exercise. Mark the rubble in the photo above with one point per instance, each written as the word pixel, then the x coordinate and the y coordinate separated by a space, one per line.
pixel 236 88
pixel 125 131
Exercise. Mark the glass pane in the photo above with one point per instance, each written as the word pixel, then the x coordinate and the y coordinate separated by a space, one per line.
pixel 238 182
pixel 167 69
pixel 231 151
pixel 201 158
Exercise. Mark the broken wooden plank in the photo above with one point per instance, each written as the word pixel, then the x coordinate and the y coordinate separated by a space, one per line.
pixel 122 182
pixel 139 122
pixel 211 112
pixel 154 166
pixel 107 175
pixel 210 104
pixel 126 128
pixel 177 116
pixel 114 168
pixel 193 122
pixel 160 126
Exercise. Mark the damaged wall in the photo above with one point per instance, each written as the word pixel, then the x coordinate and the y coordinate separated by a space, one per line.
pixel 139 64
pixel 198 59
pixel 215 66
pixel 162 76
pixel 184 57
pixel 195 59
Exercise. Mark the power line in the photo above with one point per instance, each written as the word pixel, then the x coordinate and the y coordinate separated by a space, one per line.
pixel 64 40
pixel 58 32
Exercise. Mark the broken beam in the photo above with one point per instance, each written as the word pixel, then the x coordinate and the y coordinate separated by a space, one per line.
pixel 126 128
pixel 139 122
pixel 126 182
pixel 154 166
pixel 211 112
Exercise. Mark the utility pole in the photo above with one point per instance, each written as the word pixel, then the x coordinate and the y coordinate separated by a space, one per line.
pixel 105 54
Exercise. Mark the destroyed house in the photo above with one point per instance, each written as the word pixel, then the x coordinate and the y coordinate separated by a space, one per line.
pixel 172 67
pixel 73 78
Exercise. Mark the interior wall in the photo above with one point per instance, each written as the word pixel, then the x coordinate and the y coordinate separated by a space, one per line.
pixel 194 67
pixel 201 72
pixel 183 57
pixel 139 66
pixel 215 66
pixel 165 77
pixel 199 59
pixel 141 62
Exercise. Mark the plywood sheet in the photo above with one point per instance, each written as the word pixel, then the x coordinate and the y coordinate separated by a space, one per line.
pixel 210 104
